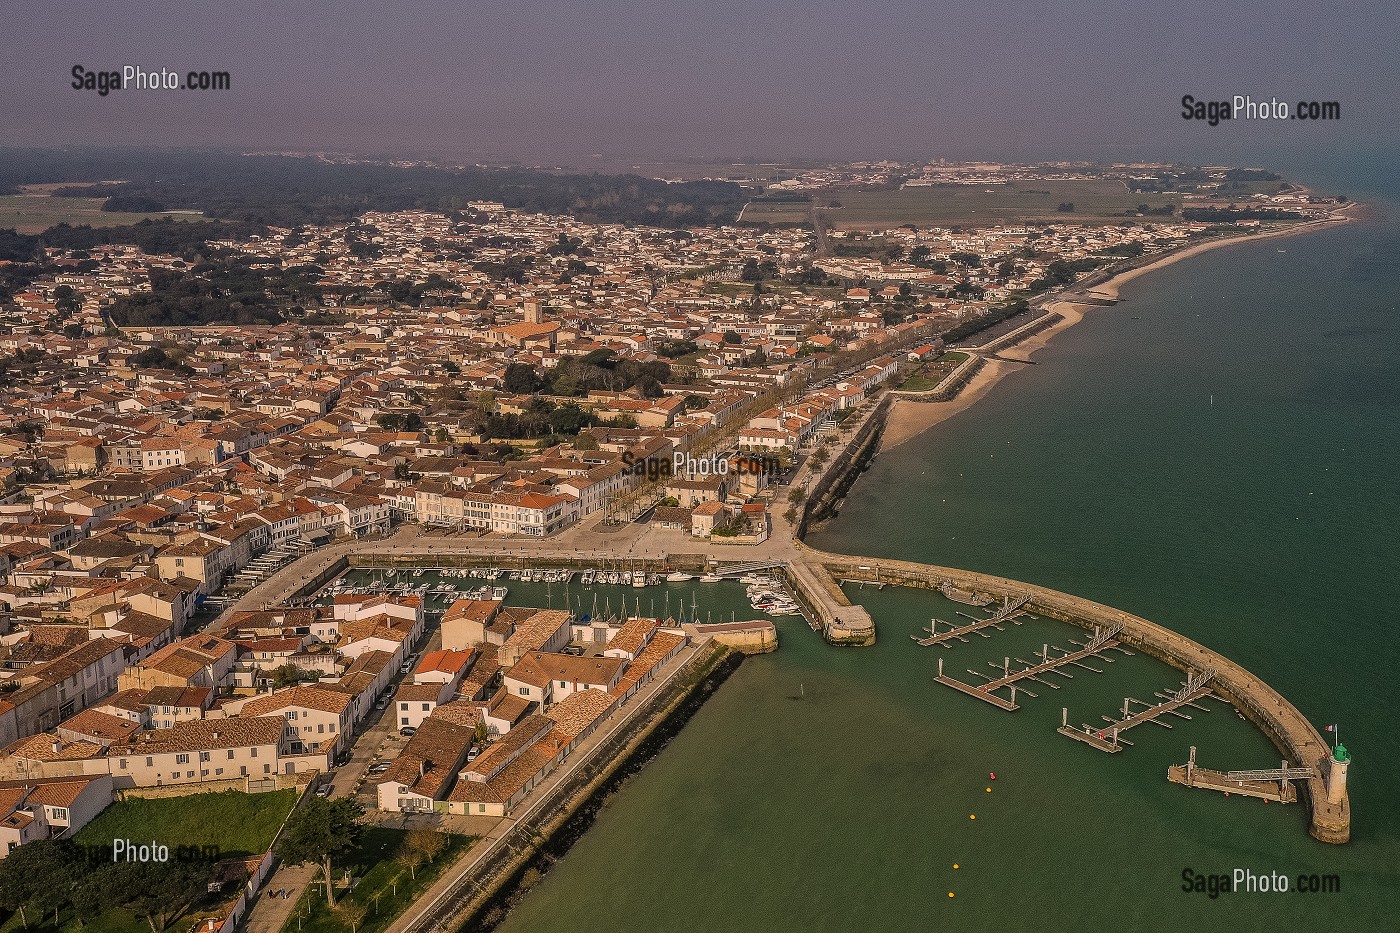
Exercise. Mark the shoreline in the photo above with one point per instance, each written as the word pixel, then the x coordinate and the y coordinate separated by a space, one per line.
pixel 909 419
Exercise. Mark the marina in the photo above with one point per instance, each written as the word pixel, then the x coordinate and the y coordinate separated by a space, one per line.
pixel 1109 738
pixel 1010 611
pixel 1275 785
pixel 1102 641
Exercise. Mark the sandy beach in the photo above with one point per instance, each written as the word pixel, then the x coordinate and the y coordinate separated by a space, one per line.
pixel 907 419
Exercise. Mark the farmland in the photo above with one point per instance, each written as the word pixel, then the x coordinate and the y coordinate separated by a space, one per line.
pixel 1096 201
pixel 34 211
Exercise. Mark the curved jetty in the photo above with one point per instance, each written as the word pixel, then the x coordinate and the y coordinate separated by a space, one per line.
pixel 1286 727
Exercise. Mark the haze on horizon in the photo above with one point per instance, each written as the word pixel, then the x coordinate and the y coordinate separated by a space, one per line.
pixel 555 82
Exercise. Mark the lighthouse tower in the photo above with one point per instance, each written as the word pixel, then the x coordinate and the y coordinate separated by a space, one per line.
pixel 1337 774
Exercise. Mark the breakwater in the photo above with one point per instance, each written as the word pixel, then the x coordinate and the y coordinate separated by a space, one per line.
pixel 1278 719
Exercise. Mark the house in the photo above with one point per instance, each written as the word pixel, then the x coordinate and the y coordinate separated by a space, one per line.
pixel 465 622
pixel 546 678
pixel 425 770
pixel 45 808
pixel 316 717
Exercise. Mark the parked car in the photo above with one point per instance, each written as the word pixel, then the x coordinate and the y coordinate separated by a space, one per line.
pixel 378 768
pixel 324 790
pixel 408 731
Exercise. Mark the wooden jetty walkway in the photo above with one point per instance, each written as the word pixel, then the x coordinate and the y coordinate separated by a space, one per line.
pixel 1273 784
pixel 1109 738
pixel 1010 611
pixel 1103 640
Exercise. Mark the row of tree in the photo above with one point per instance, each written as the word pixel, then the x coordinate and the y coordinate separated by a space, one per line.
pixel 42 879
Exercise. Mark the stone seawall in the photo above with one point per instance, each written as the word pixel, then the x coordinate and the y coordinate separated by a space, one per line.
pixel 1286 727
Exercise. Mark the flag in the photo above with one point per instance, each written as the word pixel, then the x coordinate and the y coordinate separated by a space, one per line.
pixel 1331 728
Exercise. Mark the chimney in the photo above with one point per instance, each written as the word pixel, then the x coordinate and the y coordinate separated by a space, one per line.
pixel 57 746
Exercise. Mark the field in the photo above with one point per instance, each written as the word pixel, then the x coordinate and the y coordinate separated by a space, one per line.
pixel 1095 202
pixel 384 887
pixel 931 374
pixel 238 824
pixel 34 211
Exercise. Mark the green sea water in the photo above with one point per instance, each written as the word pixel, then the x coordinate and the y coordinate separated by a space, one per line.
pixel 1219 454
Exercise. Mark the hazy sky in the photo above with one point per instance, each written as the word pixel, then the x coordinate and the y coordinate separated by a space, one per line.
pixel 560 80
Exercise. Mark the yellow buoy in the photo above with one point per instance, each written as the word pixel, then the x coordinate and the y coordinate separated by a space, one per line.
pixel 955 864
pixel 972 816
pixel 989 790
pixel 950 893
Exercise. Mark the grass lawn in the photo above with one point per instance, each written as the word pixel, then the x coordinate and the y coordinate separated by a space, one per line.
pixel 111 921
pixel 238 824
pixel 373 862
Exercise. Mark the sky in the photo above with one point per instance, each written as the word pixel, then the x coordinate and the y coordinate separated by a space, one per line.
pixel 567 81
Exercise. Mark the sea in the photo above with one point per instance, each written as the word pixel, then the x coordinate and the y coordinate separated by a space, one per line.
pixel 1219 453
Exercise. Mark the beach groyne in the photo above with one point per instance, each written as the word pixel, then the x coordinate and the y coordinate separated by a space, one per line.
pixel 1278 719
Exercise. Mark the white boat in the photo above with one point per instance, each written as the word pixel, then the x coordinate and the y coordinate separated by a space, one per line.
pixel 639 579
pixel 679 577
pixel 711 578
pixel 587 578
pixel 499 592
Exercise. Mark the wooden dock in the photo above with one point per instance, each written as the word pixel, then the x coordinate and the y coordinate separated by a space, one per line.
pixel 1274 784
pixel 1009 612
pixel 1103 640
pixel 1109 738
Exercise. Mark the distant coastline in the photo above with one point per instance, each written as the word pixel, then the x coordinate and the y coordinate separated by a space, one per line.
pixel 909 419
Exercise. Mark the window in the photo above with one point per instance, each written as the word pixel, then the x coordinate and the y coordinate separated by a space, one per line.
pixel 203 756
pixel 149 762
pixel 121 763
pixel 524 691
pixel 403 706
pixel 230 753
pixel 182 759
pixel 427 707
pixel 253 753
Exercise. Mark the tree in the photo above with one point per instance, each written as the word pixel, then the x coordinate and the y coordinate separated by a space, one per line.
pixel 428 842
pixel 520 379
pixel 319 831
pixel 351 913
pixel 285 675
pixel 32 876
pixel 409 856
pixel 159 890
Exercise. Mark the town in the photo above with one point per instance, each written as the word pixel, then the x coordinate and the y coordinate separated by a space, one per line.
pixel 480 373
